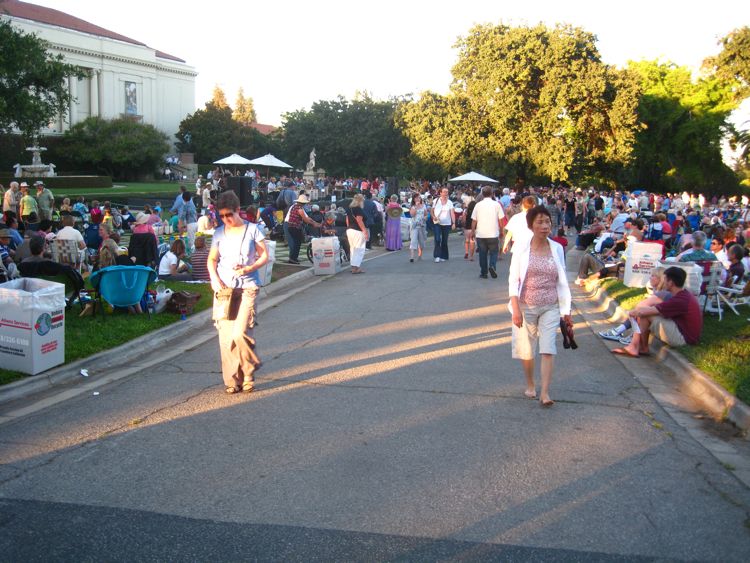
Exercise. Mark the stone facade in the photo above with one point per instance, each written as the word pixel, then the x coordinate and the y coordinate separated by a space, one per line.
pixel 127 78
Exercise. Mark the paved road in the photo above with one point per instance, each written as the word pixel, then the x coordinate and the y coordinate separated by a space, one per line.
pixel 389 424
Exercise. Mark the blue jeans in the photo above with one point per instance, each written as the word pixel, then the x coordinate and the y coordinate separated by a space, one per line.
pixel 293 239
pixel 488 248
pixel 441 241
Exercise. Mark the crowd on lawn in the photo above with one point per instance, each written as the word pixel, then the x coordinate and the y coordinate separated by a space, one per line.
pixel 532 224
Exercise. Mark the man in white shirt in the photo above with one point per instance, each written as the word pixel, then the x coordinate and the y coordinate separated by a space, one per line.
pixel 70 233
pixel 517 231
pixel 487 221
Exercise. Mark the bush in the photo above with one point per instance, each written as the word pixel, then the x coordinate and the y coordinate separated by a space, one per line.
pixel 62 182
pixel 120 148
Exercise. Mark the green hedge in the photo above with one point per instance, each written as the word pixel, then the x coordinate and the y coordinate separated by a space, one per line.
pixel 62 182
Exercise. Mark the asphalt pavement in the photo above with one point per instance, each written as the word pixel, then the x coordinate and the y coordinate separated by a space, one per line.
pixel 389 423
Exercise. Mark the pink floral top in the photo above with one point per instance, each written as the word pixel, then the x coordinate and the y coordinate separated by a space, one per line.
pixel 540 285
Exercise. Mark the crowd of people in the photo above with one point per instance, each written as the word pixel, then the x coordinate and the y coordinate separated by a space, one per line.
pixel 532 224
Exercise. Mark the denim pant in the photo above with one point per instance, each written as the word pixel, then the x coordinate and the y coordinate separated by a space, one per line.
pixel 294 239
pixel 441 241
pixel 488 248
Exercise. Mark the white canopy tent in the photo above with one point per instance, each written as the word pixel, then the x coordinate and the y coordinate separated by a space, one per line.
pixel 269 161
pixel 233 158
pixel 473 177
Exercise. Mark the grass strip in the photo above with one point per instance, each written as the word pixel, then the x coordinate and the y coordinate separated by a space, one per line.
pixel 85 336
pixel 724 349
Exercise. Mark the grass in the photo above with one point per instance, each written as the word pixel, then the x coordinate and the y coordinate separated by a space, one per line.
pixel 127 189
pixel 85 336
pixel 724 349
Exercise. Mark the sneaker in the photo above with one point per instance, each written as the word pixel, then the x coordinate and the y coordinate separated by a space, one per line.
pixel 483 276
pixel 610 334
pixel 493 273
pixel 437 260
pixel 626 340
pixel 411 259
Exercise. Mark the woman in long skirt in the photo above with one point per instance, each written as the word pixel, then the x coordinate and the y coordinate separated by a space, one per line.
pixel 393 225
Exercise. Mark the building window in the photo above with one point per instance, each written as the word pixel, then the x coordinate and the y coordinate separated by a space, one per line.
pixel 131 99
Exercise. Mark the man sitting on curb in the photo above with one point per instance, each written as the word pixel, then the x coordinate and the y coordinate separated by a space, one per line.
pixel 677 321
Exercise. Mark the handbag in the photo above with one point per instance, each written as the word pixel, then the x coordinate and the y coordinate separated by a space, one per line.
pixel 183 302
pixel 567 334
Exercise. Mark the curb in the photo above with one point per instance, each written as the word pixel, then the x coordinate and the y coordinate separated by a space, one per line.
pixel 716 400
pixel 163 337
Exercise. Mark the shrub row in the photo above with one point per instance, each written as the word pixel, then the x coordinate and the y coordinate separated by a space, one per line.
pixel 62 182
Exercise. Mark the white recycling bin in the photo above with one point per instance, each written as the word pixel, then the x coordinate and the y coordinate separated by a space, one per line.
pixel 640 259
pixel 326 256
pixel 32 325
pixel 694 273
pixel 266 272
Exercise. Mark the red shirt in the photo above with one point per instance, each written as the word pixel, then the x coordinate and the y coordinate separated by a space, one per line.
pixel 561 240
pixel 684 310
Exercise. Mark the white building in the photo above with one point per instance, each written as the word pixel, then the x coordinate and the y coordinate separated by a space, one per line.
pixel 127 77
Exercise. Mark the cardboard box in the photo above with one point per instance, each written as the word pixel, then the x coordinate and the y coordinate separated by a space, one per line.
pixel 640 259
pixel 32 325
pixel 266 271
pixel 326 256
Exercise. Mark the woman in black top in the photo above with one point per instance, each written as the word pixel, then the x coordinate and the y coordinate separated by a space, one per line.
pixel 356 232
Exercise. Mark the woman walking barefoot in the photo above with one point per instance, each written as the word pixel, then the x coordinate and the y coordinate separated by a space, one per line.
pixel 539 296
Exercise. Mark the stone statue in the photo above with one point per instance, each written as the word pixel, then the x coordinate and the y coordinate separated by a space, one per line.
pixel 311 163
pixel 18 170
pixel 51 171
pixel 36 158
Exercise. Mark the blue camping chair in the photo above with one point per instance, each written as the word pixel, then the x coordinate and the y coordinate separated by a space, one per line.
pixel 122 286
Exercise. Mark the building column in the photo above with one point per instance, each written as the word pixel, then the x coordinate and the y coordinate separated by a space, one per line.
pixel 73 90
pixel 100 97
pixel 94 93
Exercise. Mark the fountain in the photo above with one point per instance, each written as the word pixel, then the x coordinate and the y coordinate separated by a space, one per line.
pixel 37 168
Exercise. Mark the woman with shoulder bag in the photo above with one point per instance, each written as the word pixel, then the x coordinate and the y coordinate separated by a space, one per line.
pixel 238 250
pixel 539 298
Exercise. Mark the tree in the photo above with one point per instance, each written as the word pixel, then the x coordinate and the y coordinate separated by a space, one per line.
pixel 244 109
pixel 122 148
pixel 33 84
pixel 536 100
pixel 356 137
pixel 211 134
pixel 683 123
pixel 732 64
pixel 219 99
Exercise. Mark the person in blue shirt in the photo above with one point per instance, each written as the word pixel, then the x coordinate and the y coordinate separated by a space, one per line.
pixel 238 251
pixel 178 201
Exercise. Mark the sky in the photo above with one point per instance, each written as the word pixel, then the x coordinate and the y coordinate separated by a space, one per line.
pixel 287 54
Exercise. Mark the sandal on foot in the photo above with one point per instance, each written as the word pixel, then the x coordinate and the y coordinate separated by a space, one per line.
pixel 530 394
pixel 231 390
pixel 248 386
pixel 547 403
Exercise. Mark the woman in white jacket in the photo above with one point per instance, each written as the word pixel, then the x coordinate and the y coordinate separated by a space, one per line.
pixel 539 296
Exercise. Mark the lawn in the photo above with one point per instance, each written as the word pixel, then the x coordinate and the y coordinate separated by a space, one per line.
pixel 724 350
pixel 125 190
pixel 85 336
